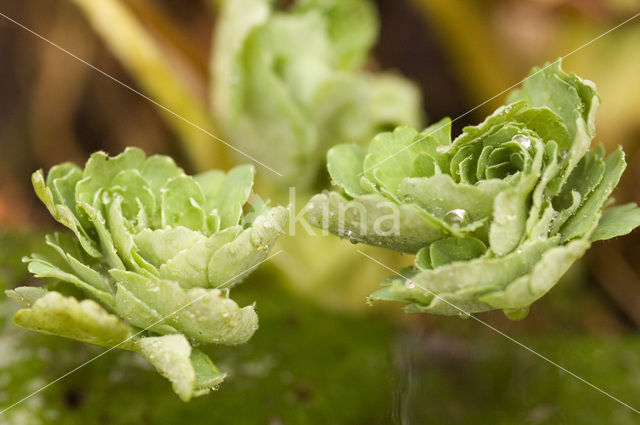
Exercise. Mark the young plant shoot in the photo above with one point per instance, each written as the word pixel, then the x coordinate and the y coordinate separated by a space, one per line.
pixel 149 261
pixel 496 216
pixel 289 84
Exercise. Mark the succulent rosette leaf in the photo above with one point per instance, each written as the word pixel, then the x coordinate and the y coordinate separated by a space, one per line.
pixel 496 216
pixel 288 84
pixel 151 249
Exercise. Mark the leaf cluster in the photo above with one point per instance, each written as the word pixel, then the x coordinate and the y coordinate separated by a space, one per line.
pixel 496 216
pixel 153 256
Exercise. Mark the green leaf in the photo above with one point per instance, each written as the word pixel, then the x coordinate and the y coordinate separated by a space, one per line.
pixel 204 315
pixel 617 221
pixel 187 369
pixel 210 182
pixel 236 259
pixel 182 204
pixel 375 220
pixel 450 250
pixel 42 267
pixel 101 169
pixel 474 276
pixel 388 152
pixel 233 194
pixel 189 267
pixel 344 163
pixel 546 273
pixel 586 217
pixel 509 221
pixel 160 245
pixel 351 26
pixel 84 320
pixel 25 295
pixel 157 170
pixel 62 214
pixel 440 194
pixel 208 376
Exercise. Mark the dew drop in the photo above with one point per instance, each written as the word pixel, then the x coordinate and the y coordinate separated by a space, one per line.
pixel 522 140
pixel 106 197
pixel 516 313
pixel 410 284
pixel 464 315
pixel 349 234
pixel 457 216
pixel 408 198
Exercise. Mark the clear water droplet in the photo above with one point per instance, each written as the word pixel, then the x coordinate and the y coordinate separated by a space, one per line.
pixel 408 198
pixel 349 235
pixel 457 216
pixel 410 284
pixel 464 315
pixel 522 140
pixel 106 197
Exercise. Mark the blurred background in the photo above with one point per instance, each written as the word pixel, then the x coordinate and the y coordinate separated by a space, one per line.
pixel 321 356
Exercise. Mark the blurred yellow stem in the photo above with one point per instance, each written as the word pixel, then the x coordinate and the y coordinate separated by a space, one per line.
pixel 142 56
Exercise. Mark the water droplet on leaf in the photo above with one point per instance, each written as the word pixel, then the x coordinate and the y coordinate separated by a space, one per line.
pixel 349 234
pixel 464 315
pixel 457 216
pixel 410 284
pixel 522 140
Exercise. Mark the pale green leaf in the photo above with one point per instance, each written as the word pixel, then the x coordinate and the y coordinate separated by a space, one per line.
pixel 344 163
pixel 617 221
pixel 84 320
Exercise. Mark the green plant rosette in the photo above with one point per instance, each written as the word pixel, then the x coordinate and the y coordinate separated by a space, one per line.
pixel 496 216
pixel 289 84
pixel 150 260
